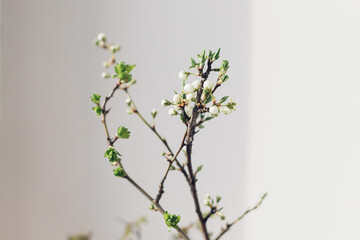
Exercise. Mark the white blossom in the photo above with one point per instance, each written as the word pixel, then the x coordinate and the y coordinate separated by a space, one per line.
pixel 177 98
pixel 183 75
pixel 101 37
pixel 106 64
pixel 129 111
pixel 208 84
pixel 196 84
pixel 226 110
pixel 190 96
pixel 128 101
pixel 172 112
pixel 189 88
pixel 114 48
pixel 105 75
pixel 214 110
pixel 188 110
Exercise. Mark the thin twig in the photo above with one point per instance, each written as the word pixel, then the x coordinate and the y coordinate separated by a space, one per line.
pixel 212 212
pixel 163 140
pixel 161 186
pixel 229 225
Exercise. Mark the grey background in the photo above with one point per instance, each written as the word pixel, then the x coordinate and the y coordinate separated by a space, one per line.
pixel 294 73
pixel 54 178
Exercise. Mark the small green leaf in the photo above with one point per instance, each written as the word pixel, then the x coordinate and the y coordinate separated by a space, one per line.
pixel 123 132
pixel 224 99
pixel 112 154
pixel 201 126
pixel 217 54
pixel 171 220
pixel 95 98
pixel 225 65
pixel 193 63
pixel 199 168
pixel 209 118
pixel 182 118
pixel 218 199
pixel 119 172
pixel 97 110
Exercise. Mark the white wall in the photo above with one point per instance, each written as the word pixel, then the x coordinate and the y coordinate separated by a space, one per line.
pixel 304 131
pixel 54 178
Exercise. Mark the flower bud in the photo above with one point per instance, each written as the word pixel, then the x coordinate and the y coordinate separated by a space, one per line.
pixel 226 110
pixel 196 84
pixel 105 75
pixel 106 64
pixel 114 48
pixel 129 111
pixel 214 110
pixel 177 98
pixel 101 37
pixel 128 101
pixel 165 103
pixel 207 202
pixel 189 88
pixel 221 215
pixel 183 75
pixel 172 112
pixel 190 97
pixel 154 113
pixel 208 84
pixel 188 110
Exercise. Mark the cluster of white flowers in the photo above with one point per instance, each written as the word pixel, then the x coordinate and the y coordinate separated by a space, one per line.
pixel 186 98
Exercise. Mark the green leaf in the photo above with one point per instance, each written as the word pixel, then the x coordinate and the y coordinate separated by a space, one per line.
pixel 225 65
pixel 224 99
pixel 123 71
pixel 112 154
pixel 182 118
pixel 218 199
pixel 199 168
pixel 217 55
pixel 119 172
pixel 201 126
pixel 95 98
pixel 209 118
pixel 97 110
pixel 123 132
pixel 208 96
pixel 193 63
pixel 171 220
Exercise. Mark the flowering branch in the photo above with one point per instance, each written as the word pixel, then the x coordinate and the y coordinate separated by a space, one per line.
pixel 195 104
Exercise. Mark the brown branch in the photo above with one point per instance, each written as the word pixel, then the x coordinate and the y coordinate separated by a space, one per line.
pixel 189 141
pixel 157 205
pixel 161 186
pixel 212 212
pixel 229 225
pixel 105 112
